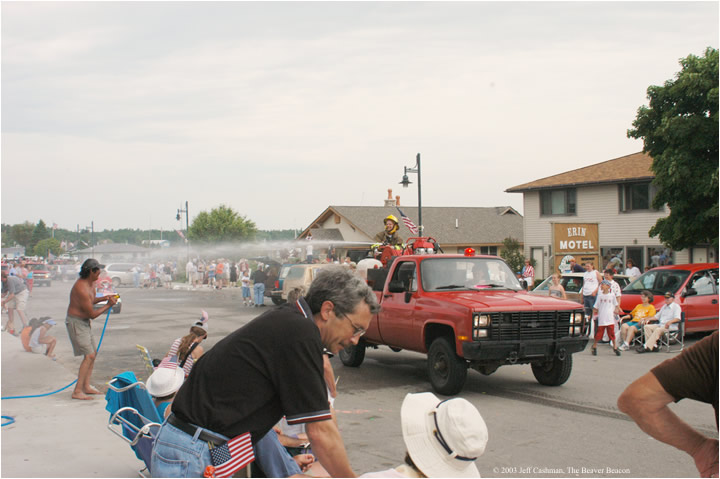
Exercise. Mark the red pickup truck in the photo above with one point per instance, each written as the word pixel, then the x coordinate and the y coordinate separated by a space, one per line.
pixel 469 311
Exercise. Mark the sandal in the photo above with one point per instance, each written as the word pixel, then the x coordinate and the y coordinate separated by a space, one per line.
pixel 594 351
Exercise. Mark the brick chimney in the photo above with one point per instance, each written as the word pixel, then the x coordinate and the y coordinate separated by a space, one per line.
pixel 397 200
pixel 389 201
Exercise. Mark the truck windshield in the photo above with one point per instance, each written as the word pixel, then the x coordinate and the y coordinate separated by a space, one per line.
pixel 468 274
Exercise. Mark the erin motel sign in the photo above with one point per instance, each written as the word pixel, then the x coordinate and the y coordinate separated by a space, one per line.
pixel 578 240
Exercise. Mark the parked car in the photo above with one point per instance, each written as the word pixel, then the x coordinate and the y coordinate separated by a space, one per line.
pixel 121 273
pixel 68 272
pixel 104 287
pixel 300 276
pixel 573 283
pixel 41 273
pixel 276 292
pixel 695 287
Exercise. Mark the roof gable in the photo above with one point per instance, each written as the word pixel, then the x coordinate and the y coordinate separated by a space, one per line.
pixel 635 167
pixel 448 225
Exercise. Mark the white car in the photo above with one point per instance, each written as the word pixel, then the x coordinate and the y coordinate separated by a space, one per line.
pixel 122 273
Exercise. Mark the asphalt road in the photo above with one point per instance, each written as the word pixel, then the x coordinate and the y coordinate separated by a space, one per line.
pixel 574 430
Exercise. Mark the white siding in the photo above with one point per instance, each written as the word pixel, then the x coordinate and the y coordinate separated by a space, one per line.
pixel 348 233
pixel 595 204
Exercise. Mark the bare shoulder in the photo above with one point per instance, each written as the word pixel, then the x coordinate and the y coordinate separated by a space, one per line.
pixel 80 288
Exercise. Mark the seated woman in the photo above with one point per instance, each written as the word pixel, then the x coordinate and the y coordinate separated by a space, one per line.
pixel 162 385
pixel 187 349
pixel 638 315
pixel 556 289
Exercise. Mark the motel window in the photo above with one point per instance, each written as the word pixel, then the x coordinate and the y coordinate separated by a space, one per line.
pixel 558 202
pixel 489 250
pixel 636 196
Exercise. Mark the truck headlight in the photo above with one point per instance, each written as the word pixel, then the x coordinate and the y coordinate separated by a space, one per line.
pixel 481 321
pixel 576 318
pixel 480 333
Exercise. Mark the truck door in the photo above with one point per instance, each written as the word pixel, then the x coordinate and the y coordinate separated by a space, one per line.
pixel 395 319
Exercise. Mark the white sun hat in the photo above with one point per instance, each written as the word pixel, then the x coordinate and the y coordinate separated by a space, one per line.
pixel 164 381
pixel 443 438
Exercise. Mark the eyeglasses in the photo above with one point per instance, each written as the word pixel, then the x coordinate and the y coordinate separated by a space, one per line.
pixel 358 330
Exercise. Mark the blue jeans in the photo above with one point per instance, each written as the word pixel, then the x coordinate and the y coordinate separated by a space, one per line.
pixel 588 303
pixel 273 458
pixel 177 454
pixel 259 292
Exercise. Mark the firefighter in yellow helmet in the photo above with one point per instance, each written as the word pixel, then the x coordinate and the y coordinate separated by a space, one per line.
pixel 390 234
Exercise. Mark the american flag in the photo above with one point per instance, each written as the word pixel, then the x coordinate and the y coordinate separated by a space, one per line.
pixel 408 222
pixel 233 455
pixel 170 362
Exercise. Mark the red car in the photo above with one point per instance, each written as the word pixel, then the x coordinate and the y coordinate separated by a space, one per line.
pixel 695 287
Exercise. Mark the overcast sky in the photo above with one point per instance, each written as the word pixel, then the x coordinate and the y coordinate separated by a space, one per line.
pixel 118 113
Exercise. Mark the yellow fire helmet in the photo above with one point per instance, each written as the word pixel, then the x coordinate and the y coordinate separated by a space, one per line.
pixel 394 220
pixel 391 217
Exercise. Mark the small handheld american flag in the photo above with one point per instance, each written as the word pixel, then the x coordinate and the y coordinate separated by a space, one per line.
pixel 233 455
pixel 408 222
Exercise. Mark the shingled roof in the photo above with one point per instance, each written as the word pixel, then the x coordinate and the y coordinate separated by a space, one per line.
pixel 635 167
pixel 448 225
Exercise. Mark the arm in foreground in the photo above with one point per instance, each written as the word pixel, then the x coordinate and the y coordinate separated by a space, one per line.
pixel 645 401
pixel 328 446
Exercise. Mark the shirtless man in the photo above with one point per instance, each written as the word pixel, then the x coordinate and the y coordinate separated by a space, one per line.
pixel 79 313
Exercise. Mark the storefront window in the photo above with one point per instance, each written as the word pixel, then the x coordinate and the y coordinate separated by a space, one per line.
pixel 659 256
pixel 612 258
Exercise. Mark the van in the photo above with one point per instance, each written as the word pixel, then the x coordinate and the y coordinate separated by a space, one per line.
pixel 695 287
pixel 121 273
pixel 300 276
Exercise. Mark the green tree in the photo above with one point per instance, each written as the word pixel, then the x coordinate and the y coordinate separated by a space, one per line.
pixel 22 232
pixel 512 254
pixel 680 132
pixel 48 244
pixel 40 232
pixel 221 224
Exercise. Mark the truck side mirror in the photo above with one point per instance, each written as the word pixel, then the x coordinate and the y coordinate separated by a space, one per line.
pixel 396 286
pixel 689 292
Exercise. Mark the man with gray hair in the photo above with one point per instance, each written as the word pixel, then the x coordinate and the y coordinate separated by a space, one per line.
pixel 269 368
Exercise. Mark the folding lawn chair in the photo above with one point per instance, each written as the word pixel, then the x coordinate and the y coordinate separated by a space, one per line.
pixel 133 415
pixel 147 359
pixel 674 337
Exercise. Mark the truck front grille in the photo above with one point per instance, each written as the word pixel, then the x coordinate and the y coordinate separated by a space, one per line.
pixel 530 325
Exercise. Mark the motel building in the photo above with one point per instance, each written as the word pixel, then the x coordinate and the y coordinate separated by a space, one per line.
pixel 600 213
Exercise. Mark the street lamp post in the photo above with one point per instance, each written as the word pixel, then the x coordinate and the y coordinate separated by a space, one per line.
pixel 187 226
pixel 405 182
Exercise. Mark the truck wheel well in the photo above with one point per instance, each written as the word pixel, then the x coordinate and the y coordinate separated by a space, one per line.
pixel 434 331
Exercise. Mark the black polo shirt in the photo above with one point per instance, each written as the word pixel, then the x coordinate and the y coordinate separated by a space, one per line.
pixel 270 368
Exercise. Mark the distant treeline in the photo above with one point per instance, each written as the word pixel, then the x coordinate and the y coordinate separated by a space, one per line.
pixel 28 235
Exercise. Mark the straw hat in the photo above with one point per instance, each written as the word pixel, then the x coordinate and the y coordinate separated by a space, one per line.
pixel 165 381
pixel 443 438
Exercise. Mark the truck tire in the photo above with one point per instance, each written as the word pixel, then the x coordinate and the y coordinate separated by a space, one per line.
pixel 554 372
pixel 353 356
pixel 447 370
pixel 277 301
